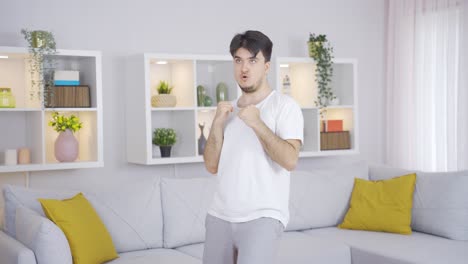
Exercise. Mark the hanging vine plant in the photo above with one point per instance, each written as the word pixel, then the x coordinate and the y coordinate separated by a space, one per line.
pixel 322 52
pixel 41 45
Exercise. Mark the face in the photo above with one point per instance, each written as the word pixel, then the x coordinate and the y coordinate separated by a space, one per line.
pixel 250 71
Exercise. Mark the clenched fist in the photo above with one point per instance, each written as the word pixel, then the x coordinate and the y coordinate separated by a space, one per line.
pixel 222 112
pixel 250 115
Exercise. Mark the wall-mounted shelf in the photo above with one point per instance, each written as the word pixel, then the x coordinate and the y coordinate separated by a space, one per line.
pixel 186 72
pixel 27 123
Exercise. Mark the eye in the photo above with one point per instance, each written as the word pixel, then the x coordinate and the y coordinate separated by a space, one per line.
pixel 253 61
pixel 238 61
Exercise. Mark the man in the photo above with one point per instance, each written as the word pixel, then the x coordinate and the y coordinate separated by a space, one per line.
pixel 253 144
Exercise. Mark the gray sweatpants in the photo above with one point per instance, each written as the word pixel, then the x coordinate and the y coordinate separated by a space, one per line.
pixel 252 242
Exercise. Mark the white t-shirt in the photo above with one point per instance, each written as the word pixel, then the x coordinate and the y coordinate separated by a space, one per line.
pixel 250 184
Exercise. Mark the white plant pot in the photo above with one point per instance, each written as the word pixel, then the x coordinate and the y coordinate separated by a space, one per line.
pixel 335 101
pixel 163 100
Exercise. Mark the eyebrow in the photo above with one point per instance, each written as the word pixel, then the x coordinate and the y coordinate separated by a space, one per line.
pixel 253 57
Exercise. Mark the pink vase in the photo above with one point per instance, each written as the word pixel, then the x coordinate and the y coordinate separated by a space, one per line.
pixel 66 147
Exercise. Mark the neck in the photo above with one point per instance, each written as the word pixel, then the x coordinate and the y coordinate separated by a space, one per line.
pixel 255 97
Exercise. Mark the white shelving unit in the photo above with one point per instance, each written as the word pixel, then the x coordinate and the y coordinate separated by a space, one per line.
pixel 186 72
pixel 301 72
pixel 27 124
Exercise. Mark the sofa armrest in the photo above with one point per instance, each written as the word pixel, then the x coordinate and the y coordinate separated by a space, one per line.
pixel 13 252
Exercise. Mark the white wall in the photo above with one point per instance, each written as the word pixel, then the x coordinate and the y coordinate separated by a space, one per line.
pixel 119 28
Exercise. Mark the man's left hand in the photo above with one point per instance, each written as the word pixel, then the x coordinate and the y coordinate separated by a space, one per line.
pixel 250 115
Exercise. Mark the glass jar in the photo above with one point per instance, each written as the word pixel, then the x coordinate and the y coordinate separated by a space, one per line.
pixel 6 98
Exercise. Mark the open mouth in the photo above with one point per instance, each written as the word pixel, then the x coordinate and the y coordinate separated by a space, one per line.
pixel 244 78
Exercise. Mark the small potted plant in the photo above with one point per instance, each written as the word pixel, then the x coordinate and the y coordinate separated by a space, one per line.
pixel 165 138
pixel 66 145
pixel 164 98
pixel 316 43
pixel 41 63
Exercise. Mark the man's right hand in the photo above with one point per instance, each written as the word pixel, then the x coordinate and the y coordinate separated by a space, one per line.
pixel 222 112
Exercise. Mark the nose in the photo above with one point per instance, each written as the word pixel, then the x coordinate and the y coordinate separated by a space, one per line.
pixel 245 66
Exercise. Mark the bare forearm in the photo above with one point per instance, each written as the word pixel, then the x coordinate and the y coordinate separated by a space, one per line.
pixel 279 150
pixel 213 148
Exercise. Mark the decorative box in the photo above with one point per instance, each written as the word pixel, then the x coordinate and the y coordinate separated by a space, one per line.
pixel 331 126
pixel 66 78
pixel 69 96
pixel 335 140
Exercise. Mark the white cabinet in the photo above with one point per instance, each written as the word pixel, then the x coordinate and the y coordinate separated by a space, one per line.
pixel 26 125
pixel 303 88
pixel 186 72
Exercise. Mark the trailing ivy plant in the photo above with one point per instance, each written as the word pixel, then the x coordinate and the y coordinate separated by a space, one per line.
pixel 41 45
pixel 322 52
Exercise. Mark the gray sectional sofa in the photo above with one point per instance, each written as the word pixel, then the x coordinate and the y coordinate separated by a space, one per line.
pixel 161 220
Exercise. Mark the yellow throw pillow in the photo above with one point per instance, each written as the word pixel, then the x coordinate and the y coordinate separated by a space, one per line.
pixel 383 205
pixel 89 240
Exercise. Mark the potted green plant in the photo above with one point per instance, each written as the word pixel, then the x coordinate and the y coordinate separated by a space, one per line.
pixel 41 45
pixel 315 43
pixel 164 98
pixel 322 52
pixel 66 145
pixel 165 138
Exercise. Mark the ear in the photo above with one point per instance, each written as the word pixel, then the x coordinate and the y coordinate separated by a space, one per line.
pixel 267 66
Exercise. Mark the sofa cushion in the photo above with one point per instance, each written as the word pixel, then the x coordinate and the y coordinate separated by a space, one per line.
pixel 152 256
pixel 15 196
pixel 296 248
pixel 185 204
pixel 89 240
pixel 44 238
pixel 381 205
pixel 320 197
pixel 367 257
pixel 385 248
pixel 440 203
pixel 132 213
pixel 194 250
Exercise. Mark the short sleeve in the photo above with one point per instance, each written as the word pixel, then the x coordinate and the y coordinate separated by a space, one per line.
pixel 290 122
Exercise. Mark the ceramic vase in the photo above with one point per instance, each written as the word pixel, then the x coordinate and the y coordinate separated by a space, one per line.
pixel 66 147
pixel 201 139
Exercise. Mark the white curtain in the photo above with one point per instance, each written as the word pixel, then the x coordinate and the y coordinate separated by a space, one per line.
pixel 426 118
